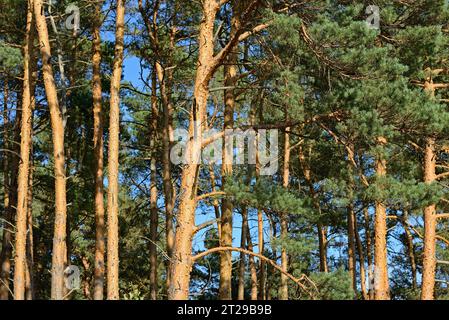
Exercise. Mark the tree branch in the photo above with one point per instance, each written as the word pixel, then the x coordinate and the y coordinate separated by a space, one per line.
pixel 298 281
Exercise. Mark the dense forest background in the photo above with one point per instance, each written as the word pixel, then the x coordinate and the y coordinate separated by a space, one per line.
pixel 353 93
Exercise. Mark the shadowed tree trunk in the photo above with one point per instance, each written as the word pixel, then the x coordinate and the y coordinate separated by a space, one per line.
pixel 8 215
pixel 241 283
pixel 153 190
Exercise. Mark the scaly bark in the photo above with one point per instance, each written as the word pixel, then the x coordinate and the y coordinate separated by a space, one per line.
pixel 59 255
pixel 153 190
pixel 99 263
pixel 113 155
pixel 182 253
pixel 430 222
pixel 7 222
pixel 381 286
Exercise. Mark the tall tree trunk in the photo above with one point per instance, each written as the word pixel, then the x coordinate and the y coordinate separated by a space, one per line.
pixel 59 240
pixel 241 283
pixel 153 191
pixel 361 261
pixel 230 73
pixel 322 233
pixel 99 264
pixel 182 253
pixel 29 282
pixel 381 286
pixel 369 256
pixel 8 215
pixel 113 155
pixel 430 218
pixel 252 264
pixel 352 260
pixel 430 221
pixel 410 249
pixel 283 289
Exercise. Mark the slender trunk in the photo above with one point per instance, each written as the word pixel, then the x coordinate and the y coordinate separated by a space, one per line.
pixel 215 202
pixel 29 283
pixel 99 264
pixel 153 191
pixel 226 206
pixel 113 155
pixel 410 249
pixel 361 261
pixel 322 233
pixel 369 256
pixel 59 240
pixel 430 222
pixel 352 260
pixel 8 215
pixel 241 284
pixel 252 264
pixel 23 218
pixel 167 140
pixel 260 238
pixel 381 286
pixel 283 290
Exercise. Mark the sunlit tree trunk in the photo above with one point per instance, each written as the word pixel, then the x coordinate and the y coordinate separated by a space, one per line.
pixel 113 155
pixel 59 254
pixel 381 286
pixel 99 264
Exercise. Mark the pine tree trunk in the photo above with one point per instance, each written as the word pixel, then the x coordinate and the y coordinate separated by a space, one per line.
pixel 352 260
pixel 369 256
pixel 321 230
pixel 430 221
pixel 153 191
pixel 410 250
pixel 381 286
pixel 99 264
pixel 8 215
pixel 167 140
pixel 59 241
pixel 113 157
pixel 226 206
pixel 252 265
pixel 283 289
pixel 361 261
pixel 182 253
pixel 29 282
pixel 241 283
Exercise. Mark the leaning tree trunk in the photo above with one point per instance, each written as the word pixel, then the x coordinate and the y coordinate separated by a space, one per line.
pixel 113 165
pixel 381 286
pixel 59 240
pixel 99 266
pixel 24 167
